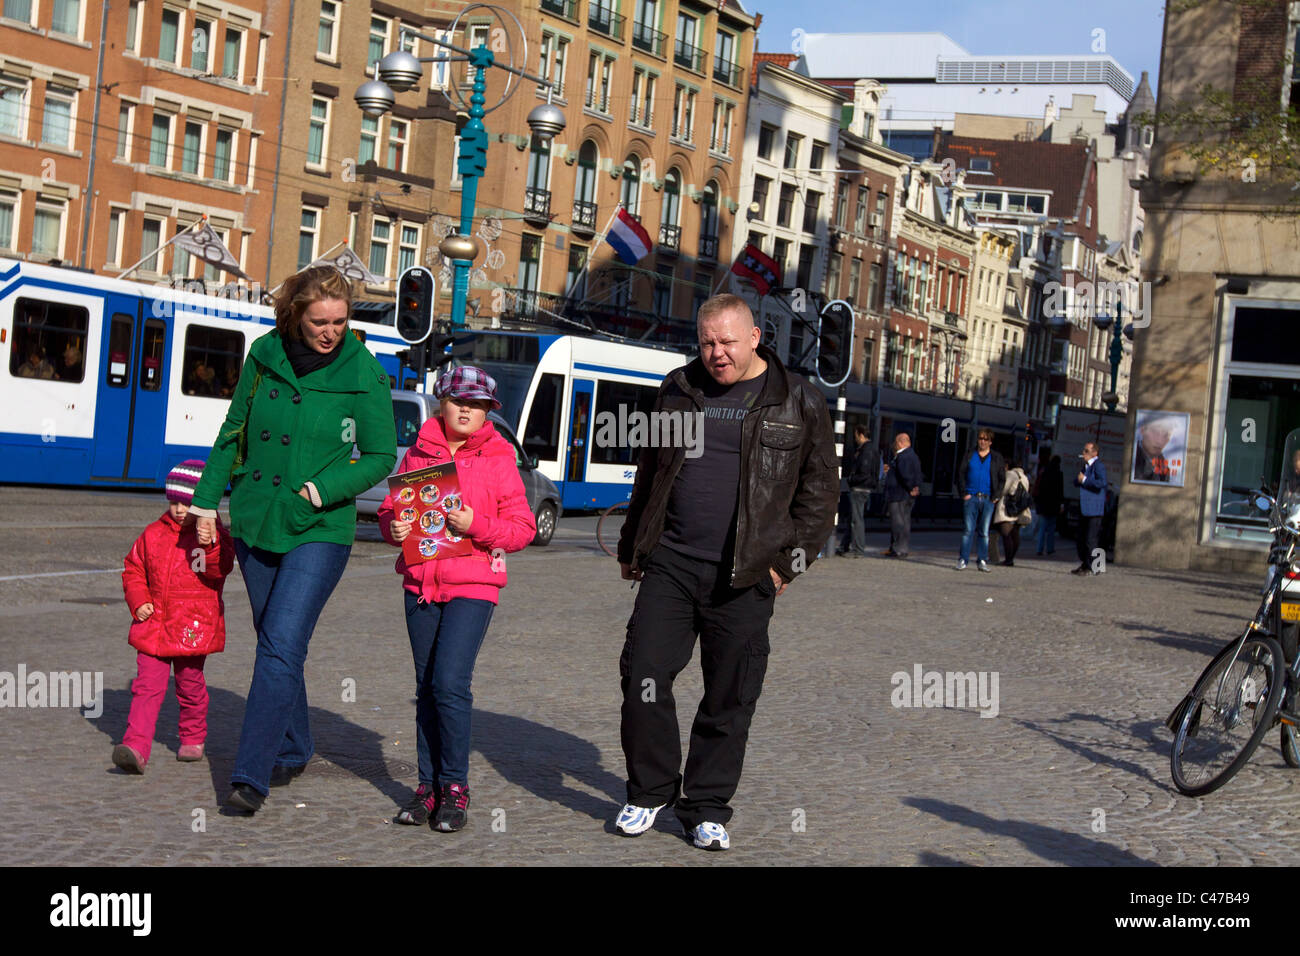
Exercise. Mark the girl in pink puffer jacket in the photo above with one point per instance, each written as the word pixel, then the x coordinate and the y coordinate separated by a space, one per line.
pixel 449 601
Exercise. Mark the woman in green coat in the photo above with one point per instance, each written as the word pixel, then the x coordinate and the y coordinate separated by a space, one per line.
pixel 308 392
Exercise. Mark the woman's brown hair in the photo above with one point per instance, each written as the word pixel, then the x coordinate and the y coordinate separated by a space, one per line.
pixel 301 290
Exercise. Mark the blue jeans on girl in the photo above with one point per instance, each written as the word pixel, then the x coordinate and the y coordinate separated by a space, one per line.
pixel 445 640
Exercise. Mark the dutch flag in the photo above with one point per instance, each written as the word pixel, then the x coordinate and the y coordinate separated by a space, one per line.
pixel 629 238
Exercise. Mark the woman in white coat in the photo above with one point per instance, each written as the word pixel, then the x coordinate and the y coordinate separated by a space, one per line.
pixel 1009 525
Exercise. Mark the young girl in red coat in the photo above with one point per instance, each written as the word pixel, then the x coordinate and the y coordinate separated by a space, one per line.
pixel 173 578
pixel 449 601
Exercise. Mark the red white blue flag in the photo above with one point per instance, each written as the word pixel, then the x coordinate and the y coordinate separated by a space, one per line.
pixel 629 238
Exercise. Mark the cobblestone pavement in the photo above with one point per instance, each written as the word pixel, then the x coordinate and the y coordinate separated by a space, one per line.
pixel 1087 670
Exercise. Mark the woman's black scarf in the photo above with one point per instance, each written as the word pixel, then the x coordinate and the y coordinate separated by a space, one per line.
pixel 306 359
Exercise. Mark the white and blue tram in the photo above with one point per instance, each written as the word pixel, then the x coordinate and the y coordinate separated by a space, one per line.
pixel 110 383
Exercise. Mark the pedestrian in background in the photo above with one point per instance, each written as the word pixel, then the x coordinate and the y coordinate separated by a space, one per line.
pixel 1008 517
pixel 1049 501
pixel 1092 485
pixel 173 577
pixel 977 476
pixel 307 395
pixel 902 487
pixel 862 475
pixel 449 601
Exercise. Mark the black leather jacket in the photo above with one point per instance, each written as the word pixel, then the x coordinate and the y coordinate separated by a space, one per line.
pixel 789 477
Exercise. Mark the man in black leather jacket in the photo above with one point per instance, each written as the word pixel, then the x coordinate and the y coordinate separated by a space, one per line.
pixel 714 539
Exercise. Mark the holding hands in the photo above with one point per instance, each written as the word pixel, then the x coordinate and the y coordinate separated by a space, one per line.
pixel 144 612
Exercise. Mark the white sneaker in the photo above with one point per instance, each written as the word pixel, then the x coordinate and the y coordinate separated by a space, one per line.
pixel 961 565
pixel 712 836
pixel 984 566
pixel 633 820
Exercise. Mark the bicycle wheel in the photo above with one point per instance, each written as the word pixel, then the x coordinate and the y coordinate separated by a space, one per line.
pixel 605 528
pixel 1227 714
pixel 1290 747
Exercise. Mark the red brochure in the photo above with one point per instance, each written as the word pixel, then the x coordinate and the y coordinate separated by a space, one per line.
pixel 423 497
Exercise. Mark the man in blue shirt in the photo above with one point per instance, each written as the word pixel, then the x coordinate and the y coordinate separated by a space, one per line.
pixel 977 477
pixel 1091 482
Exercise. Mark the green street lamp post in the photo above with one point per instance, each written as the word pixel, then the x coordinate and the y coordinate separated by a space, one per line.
pixel 1118 332
pixel 401 71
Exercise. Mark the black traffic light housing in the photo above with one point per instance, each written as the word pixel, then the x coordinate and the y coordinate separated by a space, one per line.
pixel 415 305
pixel 835 343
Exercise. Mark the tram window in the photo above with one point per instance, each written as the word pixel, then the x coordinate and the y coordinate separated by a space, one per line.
pixel 542 433
pixel 120 331
pixel 406 416
pixel 609 397
pixel 49 341
pixel 151 355
pixel 213 359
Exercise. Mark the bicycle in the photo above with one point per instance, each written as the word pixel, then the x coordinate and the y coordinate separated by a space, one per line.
pixel 1248 688
pixel 605 528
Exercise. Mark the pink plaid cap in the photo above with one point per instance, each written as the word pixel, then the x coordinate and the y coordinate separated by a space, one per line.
pixel 467 383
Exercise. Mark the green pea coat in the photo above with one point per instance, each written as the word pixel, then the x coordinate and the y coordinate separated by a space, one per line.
pixel 298 430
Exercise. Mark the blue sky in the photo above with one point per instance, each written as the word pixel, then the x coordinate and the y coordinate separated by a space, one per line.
pixel 985 27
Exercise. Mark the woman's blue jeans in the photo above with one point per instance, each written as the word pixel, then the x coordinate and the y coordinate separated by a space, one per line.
pixel 1046 533
pixel 445 639
pixel 287 593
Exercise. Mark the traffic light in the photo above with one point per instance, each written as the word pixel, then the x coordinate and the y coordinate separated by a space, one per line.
pixel 835 343
pixel 415 304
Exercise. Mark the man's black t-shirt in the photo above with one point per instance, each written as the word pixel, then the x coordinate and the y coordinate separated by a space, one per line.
pixel 701 517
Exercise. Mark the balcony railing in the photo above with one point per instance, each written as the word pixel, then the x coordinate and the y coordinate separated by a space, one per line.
pixel 708 247
pixel 670 237
pixel 537 203
pixel 688 55
pixel 584 215
pixel 726 72
pixel 647 38
pixel 605 21
pixel 564 8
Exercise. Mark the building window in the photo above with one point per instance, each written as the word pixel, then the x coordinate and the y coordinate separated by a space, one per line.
pixel 766 138
pixel 308 233
pixel 873 287
pixel 160 139
pixel 116 233
pixel 370 139
pixel 684 114
pixel 811 211
pixel 709 211
pixel 192 148
pixel 56 125
pixel 530 260
pixel 761 187
pixel 842 203
pixel 672 198
pixel 66 18
pixel 476 36
pixel 577 266
pixel 791 159
pixel 20 10
pixel 630 191
pixel 377 46
pixel 318 131
pixel 231 54
pixel 833 269
pixel 132 24
pixel 150 240
pixel 818 159
pixel 599 69
pixel 785 206
pixel 13 107
pixel 168 35
pixel 200 41
pixel 641 111
pixel 222 166
pixel 780 253
pixel 539 164
pixel 855 281
pixel 720 136
pixel 381 237
pixel 555 54
pixel 408 247
pixel 327 31
pixel 860 212
pixel 47 231
pixel 397 145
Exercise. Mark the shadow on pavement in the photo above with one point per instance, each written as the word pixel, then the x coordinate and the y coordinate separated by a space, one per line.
pixel 1055 846
pixel 1207 644
pixel 538 758
pixel 1142 730
pixel 346 748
